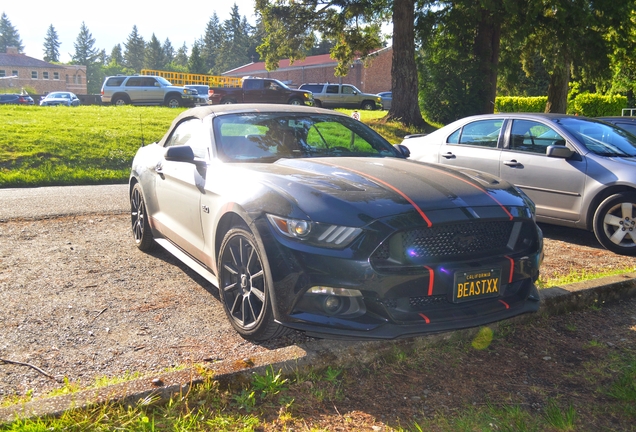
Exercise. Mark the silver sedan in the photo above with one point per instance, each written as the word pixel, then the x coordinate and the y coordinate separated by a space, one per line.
pixel 580 172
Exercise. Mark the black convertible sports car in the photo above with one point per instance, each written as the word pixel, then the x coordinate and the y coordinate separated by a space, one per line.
pixel 305 218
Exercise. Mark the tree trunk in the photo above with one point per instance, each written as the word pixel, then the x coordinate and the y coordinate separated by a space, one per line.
pixel 486 50
pixel 404 84
pixel 558 88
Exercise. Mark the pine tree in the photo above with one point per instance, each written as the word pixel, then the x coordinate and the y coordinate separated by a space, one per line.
pixel 9 36
pixel 168 51
pixel 155 57
pixel 86 54
pixel 211 42
pixel 51 45
pixel 181 59
pixel 195 62
pixel 135 51
pixel 116 56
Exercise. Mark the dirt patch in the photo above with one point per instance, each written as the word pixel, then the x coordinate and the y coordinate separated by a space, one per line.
pixel 78 300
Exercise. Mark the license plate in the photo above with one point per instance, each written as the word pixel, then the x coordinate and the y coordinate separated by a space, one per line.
pixel 476 284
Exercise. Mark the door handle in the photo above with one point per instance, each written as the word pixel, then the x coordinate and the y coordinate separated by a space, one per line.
pixel 448 155
pixel 512 163
pixel 159 168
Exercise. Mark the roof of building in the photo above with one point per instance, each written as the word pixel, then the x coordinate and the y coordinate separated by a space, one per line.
pixel 285 64
pixel 22 60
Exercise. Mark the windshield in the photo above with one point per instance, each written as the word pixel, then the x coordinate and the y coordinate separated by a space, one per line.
pixel 267 137
pixel 601 138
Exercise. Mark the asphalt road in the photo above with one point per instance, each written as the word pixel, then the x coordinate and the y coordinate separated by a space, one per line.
pixel 36 203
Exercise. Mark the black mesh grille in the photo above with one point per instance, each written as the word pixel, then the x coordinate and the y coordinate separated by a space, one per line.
pixel 445 242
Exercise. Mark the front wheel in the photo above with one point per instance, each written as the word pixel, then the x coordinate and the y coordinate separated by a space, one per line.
pixel 244 287
pixel 296 102
pixel 139 219
pixel 368 105
pixel 173 102
pixel 615 223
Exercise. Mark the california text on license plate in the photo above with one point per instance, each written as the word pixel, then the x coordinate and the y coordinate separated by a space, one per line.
pixel 476 284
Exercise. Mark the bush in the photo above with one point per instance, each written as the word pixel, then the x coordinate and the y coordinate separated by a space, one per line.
pixel 596 105
pixel 520 104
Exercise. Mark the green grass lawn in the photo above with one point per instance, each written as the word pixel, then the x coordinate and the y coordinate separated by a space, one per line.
pixel 52 146
pixel 45 146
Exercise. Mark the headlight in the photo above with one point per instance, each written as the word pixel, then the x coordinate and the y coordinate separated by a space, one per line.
pixel 318 234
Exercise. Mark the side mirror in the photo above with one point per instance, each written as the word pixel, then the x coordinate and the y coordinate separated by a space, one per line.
pixel 559 151
pixel 182 153
pixel 404 150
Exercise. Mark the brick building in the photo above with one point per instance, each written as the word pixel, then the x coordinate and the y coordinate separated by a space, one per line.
pixel 371 76
pixel 42 76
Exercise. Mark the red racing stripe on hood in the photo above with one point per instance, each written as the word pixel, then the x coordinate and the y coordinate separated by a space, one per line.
pixel 390 186
pixel 479 189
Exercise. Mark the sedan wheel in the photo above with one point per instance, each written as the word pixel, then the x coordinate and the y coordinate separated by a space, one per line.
pixel 139 219
pixel 244 287
pixel 615 223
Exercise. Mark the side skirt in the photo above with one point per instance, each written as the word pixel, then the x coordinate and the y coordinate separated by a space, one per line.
pixel 187 260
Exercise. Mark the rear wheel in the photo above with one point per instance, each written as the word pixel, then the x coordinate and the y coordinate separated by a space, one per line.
pixel 615 223
pixel 244 287
pixel 139 219
pixel 228 102
pixel 119 101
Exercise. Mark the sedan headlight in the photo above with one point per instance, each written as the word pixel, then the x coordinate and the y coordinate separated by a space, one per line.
pixel 318 234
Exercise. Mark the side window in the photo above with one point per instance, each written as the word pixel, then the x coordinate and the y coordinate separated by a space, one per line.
pixel 134 82
pixel 190 132
pixel 347 90
pixel 533 137
pixel 454 137
pixel 148 82
pixel 115 82
pixel 332 89
pixel 254 84
pixel 483 133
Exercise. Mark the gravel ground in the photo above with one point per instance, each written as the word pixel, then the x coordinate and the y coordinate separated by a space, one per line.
pixel 79 301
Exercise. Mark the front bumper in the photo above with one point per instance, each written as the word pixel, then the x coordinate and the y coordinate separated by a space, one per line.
pixel 391 304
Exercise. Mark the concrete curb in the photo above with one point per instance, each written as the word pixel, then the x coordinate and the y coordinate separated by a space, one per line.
pixel 318 354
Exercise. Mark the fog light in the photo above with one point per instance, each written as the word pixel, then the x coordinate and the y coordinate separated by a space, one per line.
pixel 332 304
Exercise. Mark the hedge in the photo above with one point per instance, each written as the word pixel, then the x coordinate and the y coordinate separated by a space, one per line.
pixel 586 104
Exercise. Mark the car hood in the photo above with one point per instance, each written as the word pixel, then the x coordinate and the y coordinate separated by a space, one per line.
pixel 357 191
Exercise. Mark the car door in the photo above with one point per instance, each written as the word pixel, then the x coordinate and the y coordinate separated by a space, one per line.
pixel 349 97
pixel 152 90
pixel 253 90
pixel 474 145
pixel 554 184
pixel 134 88
pixel 179 187
pixel 331 96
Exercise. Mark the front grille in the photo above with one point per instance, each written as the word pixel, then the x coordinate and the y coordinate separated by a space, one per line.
pixel 446 243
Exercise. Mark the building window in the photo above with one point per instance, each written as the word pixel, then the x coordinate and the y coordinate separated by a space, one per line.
pixel 2 73
pixel 45 75
pixel 14 73
pixel 34 74
pixel 66 79
pixel 56 75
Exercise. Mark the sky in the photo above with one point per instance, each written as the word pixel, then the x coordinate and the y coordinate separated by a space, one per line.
pixel 111 23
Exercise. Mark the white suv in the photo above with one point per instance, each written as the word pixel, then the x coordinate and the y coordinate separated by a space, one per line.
pixel 145 90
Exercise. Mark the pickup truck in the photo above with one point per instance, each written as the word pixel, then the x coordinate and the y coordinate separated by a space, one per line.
pixel 260 90
pixel 341 96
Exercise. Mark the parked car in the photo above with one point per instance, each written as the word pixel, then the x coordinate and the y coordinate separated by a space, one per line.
pixel 328 95
pixel 627 123
pixel 14 98
pixel 580 172
pixel 201 98
pixel 305 218
pixel 145 90
pixel 60 98
pixel 260 90
pixel 387 98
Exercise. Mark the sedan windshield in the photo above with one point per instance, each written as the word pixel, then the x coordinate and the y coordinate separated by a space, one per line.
pixel 601 138
pixel 267 137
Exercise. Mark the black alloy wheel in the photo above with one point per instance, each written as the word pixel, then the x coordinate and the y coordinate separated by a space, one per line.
pixel 244 287
pixel 139 220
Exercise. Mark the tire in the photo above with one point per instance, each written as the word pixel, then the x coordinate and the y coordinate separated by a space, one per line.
pixel 368 105
pixel 228 102
pixel 244 287
pixel 139 220
pixel 173 101
pixel 296 101
pixel 615 223
pixel 317 103
pixel 119 101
